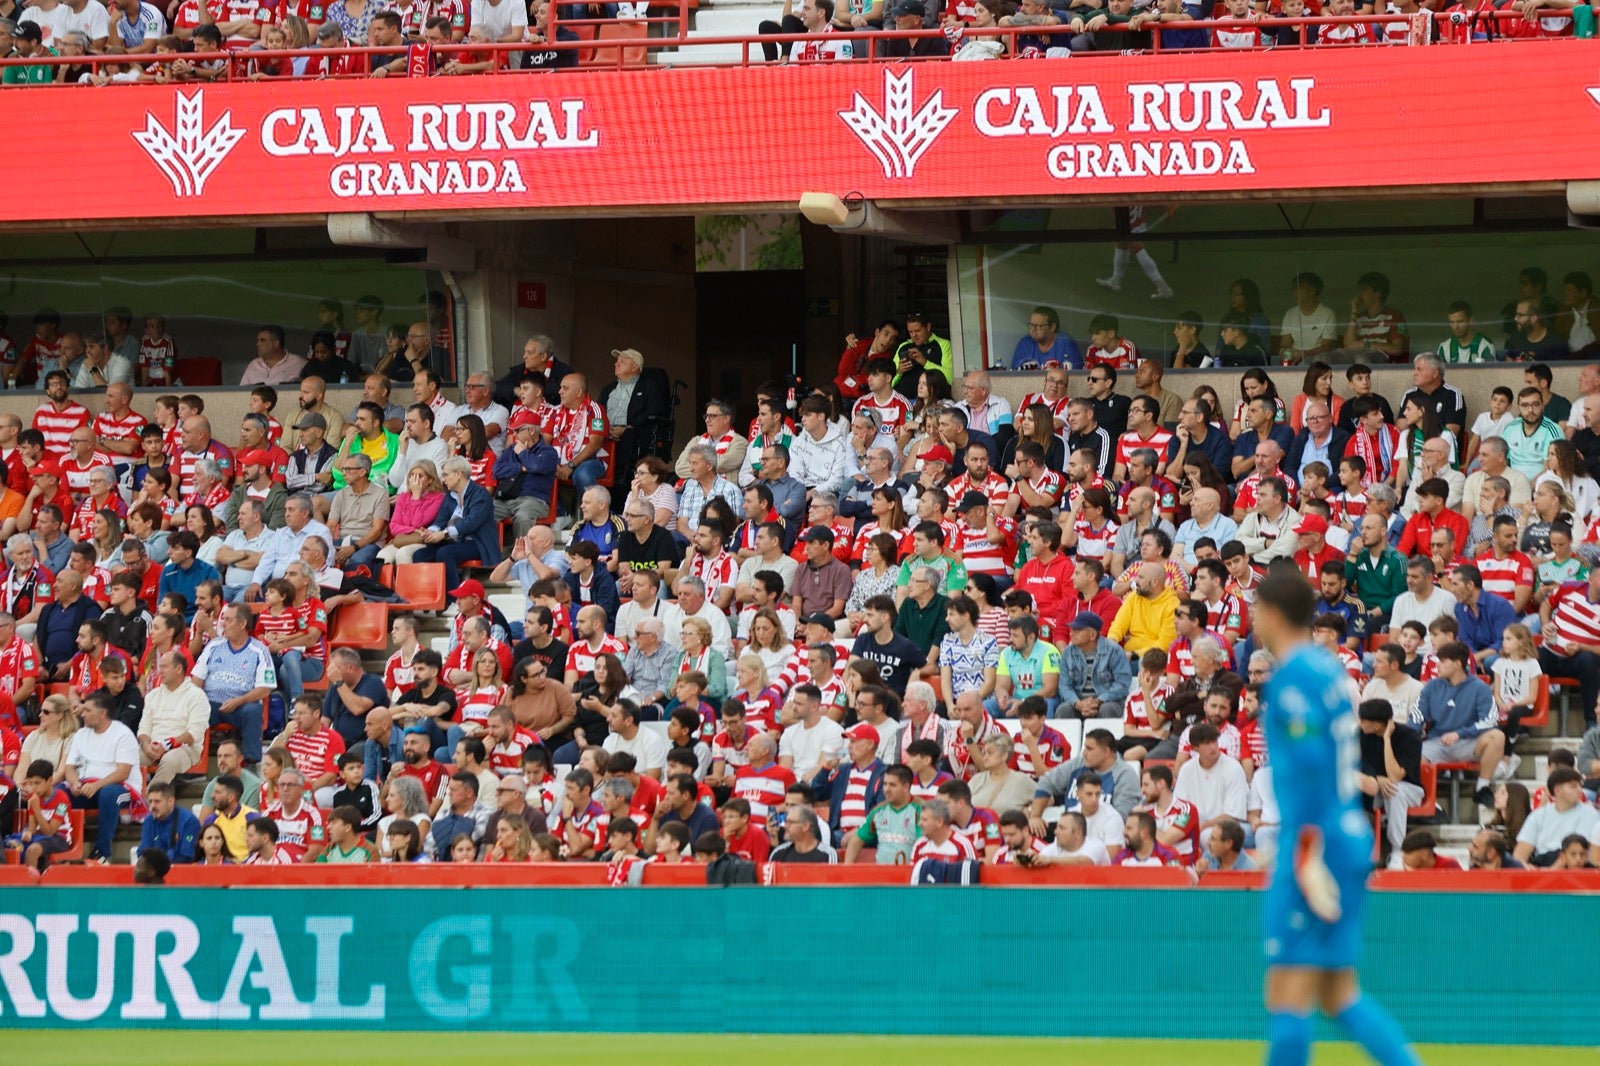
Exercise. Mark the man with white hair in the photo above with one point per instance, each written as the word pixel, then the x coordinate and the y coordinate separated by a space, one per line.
pixel 692 602
pixel 480 401
pixel 702 484
pixel 986 412
pixel 919 720
pixel 1493 462
pixel 286 543
pixel 538 356
pixel 1431 393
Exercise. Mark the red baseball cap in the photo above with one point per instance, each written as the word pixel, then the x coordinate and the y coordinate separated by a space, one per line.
pixel 1312 523
pixel 938 454
pixel 469 587
pixel 523 417
pixel 46 466
pixel 862 731
pixel 254 456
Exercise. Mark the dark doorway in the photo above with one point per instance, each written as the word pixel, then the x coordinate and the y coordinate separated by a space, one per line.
pixel 749 325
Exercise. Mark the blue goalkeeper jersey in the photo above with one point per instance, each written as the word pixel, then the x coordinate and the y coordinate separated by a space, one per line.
pixel 1309 709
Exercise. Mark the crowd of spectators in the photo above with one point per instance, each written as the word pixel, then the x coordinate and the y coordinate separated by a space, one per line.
pixel 256 32
pixel 873 624
pixel 260 30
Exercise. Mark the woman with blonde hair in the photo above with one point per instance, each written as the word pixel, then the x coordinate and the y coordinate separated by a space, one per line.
pixel 106 533
pixel 513 842
pixel 762 701
pixel 53 739
pixel 775 648
pixel 414 509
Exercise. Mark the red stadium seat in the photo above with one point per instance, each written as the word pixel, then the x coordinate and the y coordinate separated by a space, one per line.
pixel 363 626
pixel 420 586
pixel 72 854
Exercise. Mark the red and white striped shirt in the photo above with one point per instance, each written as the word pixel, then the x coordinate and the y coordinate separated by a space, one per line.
pixel 1058 408
pixel 732 754
pixel 184 465
pixel 280 623
pixel 1573 619
pixel 1502 576
pixel 1054 749
pixel 716 571
pixel 1136 711
pixel 1348 506
pixel 108 427
pixel 1049 485
pixel 1243 33
pixel 853 808
pixel 980 556
pixel 474 705
pixel 1130 441
pixel 1093 543
pixel 1035 846
pixel 315 754
pixel 297 833
pixel 892 413
pixel 1124 356
pixel 1181 815
pixel 996 486
pixel 57 424
pixel 572 427
pixel 581 656
pixel 397 672
pixel 956 848
pixel 76 473
pixel 1244 498
pixel 763 789
pixel 1228 613
pixel 506 758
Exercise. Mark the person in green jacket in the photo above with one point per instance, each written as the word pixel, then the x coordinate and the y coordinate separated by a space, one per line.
pixel 372 439
pixel 924 351
pixel 29 42
pixel 1377 572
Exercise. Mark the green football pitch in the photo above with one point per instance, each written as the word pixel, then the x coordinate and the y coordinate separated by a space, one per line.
pixel 280 1048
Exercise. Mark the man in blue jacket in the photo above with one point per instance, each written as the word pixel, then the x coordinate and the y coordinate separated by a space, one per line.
pixel 169 827
pixel 858 787
pixel 1480 616
pixel 535 462
pixel 1460 721
pixel 1095 672
pixel 464 528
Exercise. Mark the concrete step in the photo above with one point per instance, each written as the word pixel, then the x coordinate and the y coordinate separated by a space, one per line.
pixel 725 18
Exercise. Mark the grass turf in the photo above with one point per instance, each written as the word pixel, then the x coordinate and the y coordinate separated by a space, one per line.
pixel 157 1047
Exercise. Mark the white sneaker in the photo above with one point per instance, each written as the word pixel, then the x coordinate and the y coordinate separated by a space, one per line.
pixel 1109 283
pixel 1163 293
pixel 1507 768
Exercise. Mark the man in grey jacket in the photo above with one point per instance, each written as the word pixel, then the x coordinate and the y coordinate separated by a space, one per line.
pixel 1060 785
pixel 1095 672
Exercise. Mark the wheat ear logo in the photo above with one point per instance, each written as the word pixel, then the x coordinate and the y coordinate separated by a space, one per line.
pixel 899 136
pixel 191 154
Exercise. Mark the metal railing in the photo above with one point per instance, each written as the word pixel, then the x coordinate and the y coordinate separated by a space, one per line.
pixel 641 52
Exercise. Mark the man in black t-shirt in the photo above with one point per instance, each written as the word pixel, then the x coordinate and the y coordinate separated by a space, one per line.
pixel 804 843
pixel 1391 767
pixel 644 545
pixel 539 641
pixel 429 701
pixel 897 657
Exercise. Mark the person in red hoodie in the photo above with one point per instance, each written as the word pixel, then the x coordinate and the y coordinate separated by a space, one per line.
pixel 1088 595
pixel 1047 577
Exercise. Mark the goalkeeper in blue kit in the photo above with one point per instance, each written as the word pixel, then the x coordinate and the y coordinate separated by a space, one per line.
pixel 1317 896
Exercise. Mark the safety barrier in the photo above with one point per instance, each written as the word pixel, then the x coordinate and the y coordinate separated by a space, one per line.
pixel 1050 963
pixel 596 49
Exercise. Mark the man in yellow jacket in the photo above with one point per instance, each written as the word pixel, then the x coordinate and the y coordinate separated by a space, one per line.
pixel 1146 619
